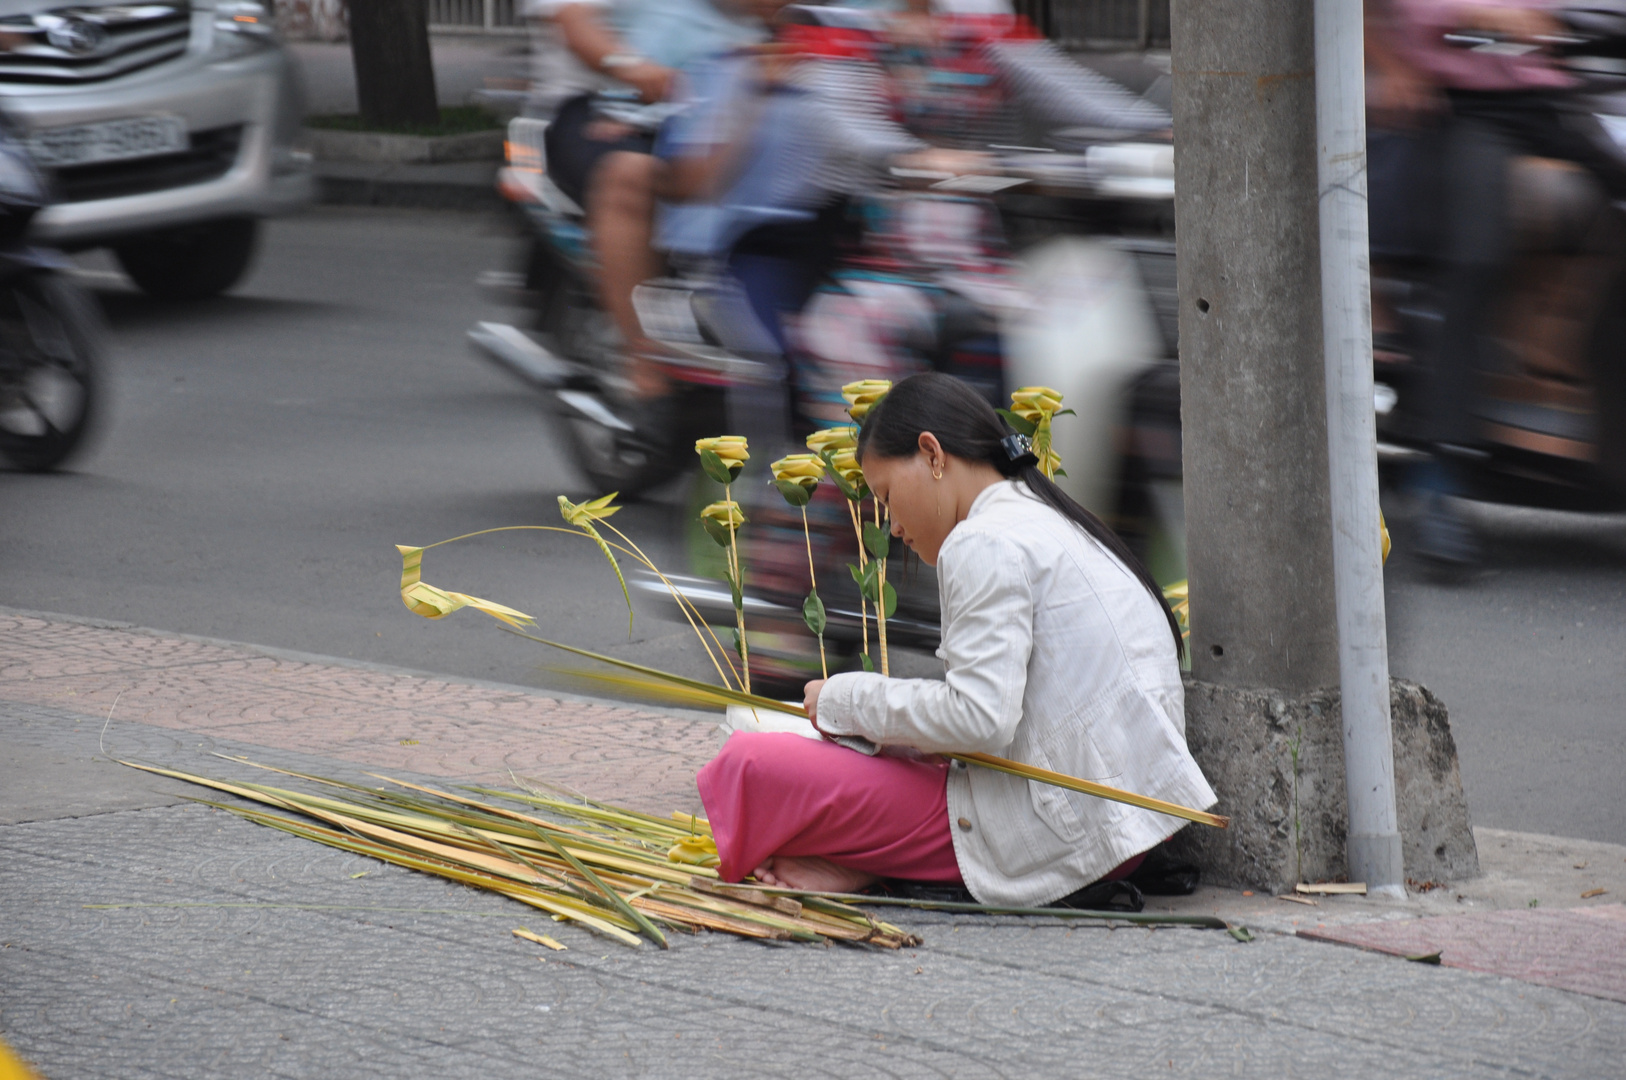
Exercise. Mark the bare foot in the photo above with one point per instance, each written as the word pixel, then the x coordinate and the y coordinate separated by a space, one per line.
pixel 811 873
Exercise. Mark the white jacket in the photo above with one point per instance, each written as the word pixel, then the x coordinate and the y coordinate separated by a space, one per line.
pixel 1056 656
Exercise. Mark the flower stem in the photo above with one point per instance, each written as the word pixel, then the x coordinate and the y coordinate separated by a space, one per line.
pixel 880 600
pixel 813 584
pixel 863 607
pixel 739 587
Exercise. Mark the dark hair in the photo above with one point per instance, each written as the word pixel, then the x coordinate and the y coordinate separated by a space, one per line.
pixel 970 429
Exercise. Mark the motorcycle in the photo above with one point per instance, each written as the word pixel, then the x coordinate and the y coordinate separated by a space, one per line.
pixel 571 350
pixel 50 331
pixel 1551 401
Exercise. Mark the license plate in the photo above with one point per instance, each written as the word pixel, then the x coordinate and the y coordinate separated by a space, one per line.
pixel 112 140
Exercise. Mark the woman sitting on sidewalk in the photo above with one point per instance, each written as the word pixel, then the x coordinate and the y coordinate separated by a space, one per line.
pixel 1059 652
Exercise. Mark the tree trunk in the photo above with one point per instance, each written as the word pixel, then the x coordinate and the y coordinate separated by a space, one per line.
pixel 395 78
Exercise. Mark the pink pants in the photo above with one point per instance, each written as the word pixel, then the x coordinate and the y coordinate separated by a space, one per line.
pixel 773 793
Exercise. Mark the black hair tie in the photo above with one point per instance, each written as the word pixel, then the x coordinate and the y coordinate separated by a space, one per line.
pixel 1019 449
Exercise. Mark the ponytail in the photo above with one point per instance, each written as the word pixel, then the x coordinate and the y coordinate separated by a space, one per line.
pixel 968 428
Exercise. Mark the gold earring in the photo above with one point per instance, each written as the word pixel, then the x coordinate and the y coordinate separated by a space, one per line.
pixel 937 473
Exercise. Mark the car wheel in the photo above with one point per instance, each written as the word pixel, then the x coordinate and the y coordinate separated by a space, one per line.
pixel 193 262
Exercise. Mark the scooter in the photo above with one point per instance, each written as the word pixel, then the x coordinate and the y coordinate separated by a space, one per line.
pixel 1551 405
pixel 50 331
pixel 570 349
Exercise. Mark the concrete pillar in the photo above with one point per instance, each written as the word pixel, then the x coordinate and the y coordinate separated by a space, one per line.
pixel 1263 709
pixel 1253 400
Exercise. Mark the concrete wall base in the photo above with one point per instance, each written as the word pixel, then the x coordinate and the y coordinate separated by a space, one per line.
pixel 1289 818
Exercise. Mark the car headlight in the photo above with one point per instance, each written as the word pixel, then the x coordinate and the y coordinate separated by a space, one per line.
pixel 245 17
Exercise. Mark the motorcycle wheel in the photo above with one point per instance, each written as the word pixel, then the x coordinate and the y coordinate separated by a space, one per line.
pixel 50 356
pixel 613 459
pixel 659 447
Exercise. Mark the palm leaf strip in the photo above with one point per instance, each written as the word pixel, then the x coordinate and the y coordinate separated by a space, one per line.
pixel 470 842
pixel 987 761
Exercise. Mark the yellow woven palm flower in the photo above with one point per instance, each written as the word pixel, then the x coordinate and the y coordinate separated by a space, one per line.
pixel 803 469
pixel 1034 403
pixel 695 850
pixel 845 461
pixel 583 514
pixel 862 395
pixel 725 512
pixel 835 438
pixel 730 448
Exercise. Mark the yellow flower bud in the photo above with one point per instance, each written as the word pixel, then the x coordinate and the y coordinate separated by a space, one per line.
pixel 581 514
pixel 836 438
pixel 804 469
pixel 1033 403
pixel 845 461
pixel 731 448
pixel 861 396
pixel 725 512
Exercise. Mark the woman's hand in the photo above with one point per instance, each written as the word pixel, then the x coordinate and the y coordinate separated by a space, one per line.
pixel 810 702
pixel 652 81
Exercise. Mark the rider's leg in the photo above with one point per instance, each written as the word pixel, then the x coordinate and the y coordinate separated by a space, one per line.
pixel 1477 246
pixel 620 215
pixel 1478 249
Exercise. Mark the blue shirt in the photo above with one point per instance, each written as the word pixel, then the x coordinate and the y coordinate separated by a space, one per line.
pixel 775 168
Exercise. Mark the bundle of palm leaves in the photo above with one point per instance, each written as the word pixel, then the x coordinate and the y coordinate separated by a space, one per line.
pixel 617 872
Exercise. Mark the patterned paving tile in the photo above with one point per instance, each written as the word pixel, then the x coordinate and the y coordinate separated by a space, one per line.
pixel 386 719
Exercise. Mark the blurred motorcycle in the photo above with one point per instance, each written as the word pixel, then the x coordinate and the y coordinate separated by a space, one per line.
pixel 571 350
pixel 50 331
pixel 1551 401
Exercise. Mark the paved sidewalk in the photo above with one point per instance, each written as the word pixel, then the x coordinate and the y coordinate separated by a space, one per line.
pixel 644 758
pixel 145 936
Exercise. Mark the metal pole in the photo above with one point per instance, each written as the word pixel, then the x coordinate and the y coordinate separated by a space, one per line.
pixel 1374 849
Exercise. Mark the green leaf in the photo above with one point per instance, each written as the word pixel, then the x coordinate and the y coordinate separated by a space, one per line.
pixel 1240 932
pixel 1061 472
pixel 869 665
pixel 1018 425
pixel 877 539
pixel 858 575
pixel 1064 412
pixel 739 649
pixel 715 468
pixel 794 493
pixel 813 612
pixel 1426 958
pixel 716 530
pixel 869 581
pixel 737 594
pixel 891 600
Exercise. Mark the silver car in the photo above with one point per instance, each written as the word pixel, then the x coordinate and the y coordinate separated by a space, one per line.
pixel 168 129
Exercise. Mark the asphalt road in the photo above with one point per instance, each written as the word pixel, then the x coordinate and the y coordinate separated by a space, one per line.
pixel 267 450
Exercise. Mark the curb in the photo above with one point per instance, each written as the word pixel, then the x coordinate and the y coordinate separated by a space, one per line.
pixel 383 148
pixel 464 185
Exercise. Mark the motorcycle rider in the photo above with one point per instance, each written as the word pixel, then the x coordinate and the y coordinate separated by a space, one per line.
pixel 849 95
pixel 588 46
pixel 1488 107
